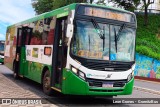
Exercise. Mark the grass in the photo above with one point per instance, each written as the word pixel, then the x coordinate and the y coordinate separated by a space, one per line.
pixel 147 42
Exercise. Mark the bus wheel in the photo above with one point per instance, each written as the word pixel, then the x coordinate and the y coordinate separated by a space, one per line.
pixel 15 75
pixel 46 83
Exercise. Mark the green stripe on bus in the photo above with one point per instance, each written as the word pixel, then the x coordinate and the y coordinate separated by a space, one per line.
pixel 62 14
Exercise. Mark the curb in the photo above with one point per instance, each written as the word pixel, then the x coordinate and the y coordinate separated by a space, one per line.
pixel 155 82
pixel 147 90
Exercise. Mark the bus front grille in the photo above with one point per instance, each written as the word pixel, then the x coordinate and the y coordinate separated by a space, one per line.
pixel 98 90
pixel 99 83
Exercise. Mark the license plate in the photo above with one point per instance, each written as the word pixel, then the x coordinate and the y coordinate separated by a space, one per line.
pixel 107 85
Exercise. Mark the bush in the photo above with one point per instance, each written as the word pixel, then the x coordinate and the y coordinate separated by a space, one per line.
pixel 147 42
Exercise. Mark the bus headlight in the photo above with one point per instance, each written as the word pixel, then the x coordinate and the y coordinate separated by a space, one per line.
pixel 81 75
pixel 130 76
pixel 78 72
pixel 74 70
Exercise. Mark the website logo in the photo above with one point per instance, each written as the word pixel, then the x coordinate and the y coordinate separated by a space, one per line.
pixel 108 76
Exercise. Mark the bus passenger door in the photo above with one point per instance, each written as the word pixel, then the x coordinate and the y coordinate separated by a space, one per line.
pixel 59 53
pixel 23 38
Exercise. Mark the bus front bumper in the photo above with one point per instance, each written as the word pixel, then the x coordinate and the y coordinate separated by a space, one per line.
pixel 74 85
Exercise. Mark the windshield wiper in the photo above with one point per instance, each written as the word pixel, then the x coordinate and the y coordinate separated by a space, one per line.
pixel 103 37
pixel 96 26
pixel 117 35
pixel 115 39
pixel 100 32
pixel 89 42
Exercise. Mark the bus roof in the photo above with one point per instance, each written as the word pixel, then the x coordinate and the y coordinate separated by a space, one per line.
pixel 63 10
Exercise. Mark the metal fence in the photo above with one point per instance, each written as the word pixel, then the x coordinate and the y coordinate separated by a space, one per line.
pixel 150 11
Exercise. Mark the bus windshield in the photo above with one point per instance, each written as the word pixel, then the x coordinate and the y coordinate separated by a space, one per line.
pixel 118 43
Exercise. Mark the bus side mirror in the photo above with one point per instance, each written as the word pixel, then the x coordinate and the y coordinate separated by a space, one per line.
pixel 69 30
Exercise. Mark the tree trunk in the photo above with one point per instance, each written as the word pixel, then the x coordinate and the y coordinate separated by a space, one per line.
pixel 91 1
pixel 146 16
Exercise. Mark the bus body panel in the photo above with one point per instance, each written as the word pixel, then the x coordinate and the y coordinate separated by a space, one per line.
pixel 30 66
pixel 74 85
pixel 35 70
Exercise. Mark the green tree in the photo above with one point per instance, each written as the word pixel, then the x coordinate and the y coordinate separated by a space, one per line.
pixel 61 3
pixel 42 6
pixel 145 6
pixel 130 5
pixel 102 2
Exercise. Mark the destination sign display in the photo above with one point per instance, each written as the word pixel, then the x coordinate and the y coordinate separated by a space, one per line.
pixel 89 54
pixel 105 13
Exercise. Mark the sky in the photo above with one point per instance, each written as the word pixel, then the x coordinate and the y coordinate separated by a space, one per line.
pixel 14 11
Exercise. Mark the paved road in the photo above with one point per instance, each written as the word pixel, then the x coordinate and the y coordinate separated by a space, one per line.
pixel 10 88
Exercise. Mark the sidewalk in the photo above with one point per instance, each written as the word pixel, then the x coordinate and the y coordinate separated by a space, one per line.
pixel 147 86
pixel 8 89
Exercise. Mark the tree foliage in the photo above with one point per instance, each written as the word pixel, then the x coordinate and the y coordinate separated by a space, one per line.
pixel 130 5
pixel 61 3
pixel 42 6
pixel 102 2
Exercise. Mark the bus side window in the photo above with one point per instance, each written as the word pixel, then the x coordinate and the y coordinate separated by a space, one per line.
pixel 47 37
pixel 50 37
pixel 65 42
pixel 28 36
pixel 65 39
pixel 51 24
pixel 36 38
pixel 19 36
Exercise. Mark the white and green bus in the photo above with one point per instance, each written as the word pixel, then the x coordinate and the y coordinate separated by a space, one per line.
pixel 79 49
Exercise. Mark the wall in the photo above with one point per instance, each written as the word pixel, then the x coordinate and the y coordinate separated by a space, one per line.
pixel 147 67
pixel 155 5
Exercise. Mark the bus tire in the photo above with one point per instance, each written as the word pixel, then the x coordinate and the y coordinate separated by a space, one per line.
pixel 15 74
pixel 46 83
